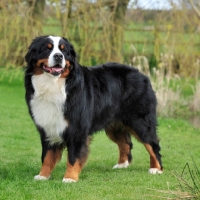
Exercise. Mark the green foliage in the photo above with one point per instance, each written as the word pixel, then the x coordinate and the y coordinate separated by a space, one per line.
pixel 100 33
pixel 20 151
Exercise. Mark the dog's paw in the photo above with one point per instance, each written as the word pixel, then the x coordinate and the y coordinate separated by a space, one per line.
pixel 121 165
pixel 68 180
pixel 38 177
pixel 155 171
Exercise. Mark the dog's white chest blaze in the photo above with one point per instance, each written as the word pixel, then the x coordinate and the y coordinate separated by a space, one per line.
pixel 47 105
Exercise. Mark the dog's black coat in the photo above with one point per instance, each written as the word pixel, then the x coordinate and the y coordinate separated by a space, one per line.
pixel 98 97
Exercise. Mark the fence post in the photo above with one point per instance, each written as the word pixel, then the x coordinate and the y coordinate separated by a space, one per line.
pixel 157 43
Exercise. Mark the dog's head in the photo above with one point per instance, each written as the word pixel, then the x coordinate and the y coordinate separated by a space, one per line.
pixel 50 54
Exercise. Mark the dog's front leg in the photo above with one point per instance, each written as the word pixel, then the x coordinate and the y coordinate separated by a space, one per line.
pixel 49 159
pixel 77 157
pixel 73 171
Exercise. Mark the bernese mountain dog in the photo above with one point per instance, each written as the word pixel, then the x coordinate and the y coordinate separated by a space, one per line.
pixel 69 102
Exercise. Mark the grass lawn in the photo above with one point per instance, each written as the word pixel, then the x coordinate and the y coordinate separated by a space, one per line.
pixel 20 153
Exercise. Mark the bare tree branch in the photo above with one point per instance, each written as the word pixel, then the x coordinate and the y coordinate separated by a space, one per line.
pixel 197 11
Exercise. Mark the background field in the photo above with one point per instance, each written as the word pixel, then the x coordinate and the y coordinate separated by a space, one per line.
pixel 107 30
pixel 165 45
pixel 20 157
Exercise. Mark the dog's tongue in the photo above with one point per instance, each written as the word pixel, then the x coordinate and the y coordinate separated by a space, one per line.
pixel 53 69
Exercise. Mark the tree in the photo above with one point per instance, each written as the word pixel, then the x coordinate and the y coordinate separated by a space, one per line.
pixel 83 21
pixel 118 11
pixel 37 11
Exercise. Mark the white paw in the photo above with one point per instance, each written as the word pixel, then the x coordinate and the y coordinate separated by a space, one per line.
pixel 155 171
pixel 121 165
pixel 68 180
pixel 38 177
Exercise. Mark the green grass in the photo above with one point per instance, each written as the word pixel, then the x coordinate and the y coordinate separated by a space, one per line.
pixel 20 158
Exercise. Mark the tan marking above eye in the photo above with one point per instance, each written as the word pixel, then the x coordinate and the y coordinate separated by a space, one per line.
pixel 62 46
pixel 50 46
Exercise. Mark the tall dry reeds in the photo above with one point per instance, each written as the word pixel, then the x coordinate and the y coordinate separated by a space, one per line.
pixel 188 184
pixel 195 102
pixel 166 85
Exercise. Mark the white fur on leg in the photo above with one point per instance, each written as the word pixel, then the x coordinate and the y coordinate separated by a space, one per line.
pixel 155 171
pixel 121 165
pixel 68 180
pixel 38 177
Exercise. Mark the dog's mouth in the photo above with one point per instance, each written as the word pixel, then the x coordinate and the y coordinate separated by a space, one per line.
pixel 55 70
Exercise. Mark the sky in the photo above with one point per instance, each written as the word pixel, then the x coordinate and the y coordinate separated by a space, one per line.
pixel 153 4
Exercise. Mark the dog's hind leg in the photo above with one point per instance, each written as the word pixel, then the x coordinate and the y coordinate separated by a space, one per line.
pixel 155 158
pixel 118 134
pixel 50 157
pixel 145 132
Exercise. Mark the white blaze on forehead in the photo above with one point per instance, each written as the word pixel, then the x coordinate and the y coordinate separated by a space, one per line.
pixel 56 41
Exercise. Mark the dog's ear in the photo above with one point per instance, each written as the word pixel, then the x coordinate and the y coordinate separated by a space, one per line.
pixel 71 52
pixel 31 55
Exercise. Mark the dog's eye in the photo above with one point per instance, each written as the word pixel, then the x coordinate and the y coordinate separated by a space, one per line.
pixel 62 47
pixel 49 46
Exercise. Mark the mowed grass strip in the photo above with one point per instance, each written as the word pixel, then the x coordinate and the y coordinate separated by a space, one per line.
pixel 20 153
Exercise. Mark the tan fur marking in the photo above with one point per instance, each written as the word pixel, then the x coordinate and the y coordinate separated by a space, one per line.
pixel 132 132
pixel 118 135
pixel 62 46
pixel 73 170
pixel 50 46
pixel 37 69
pixel 153 160
pixel 50 161
pixel 39 62
pixel 123 152
pixel 66 71
pixel 67 63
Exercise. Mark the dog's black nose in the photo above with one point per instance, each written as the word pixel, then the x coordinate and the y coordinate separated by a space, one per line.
pixel 58 57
